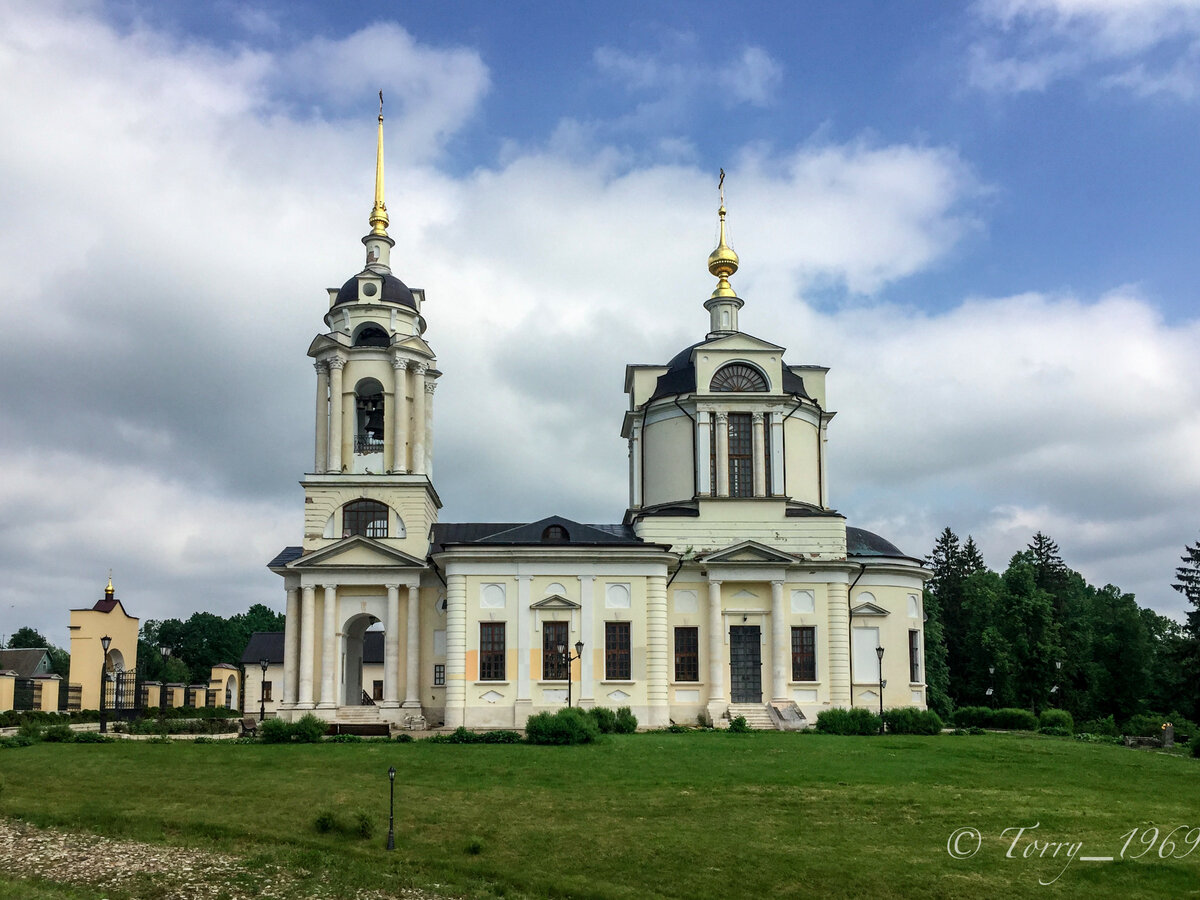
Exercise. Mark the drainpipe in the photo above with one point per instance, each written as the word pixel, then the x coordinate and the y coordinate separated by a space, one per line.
pixel 862 567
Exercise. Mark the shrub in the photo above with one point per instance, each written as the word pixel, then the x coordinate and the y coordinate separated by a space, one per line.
pixel 678 729
pixel 567 726
pixel 910 720
pixel 1054 731
pixel 90 737
pixel 975 729
pixel 275 731
pixel 1010 719
pixel 626 721
pixel 606 719
pixel 738 725
pixel 364 826
pixel 474 847
pixel 1106 726
pixel 1196 746
pixel 404 738
pixel 309 729
pixel 1144 725
pixel 1056 718
pixel 31 729
pixel 346 739
pixel 959 731
pixel 848 721
pixel 325 821
pixel 58 734
pixel 17 740
pixel 204 740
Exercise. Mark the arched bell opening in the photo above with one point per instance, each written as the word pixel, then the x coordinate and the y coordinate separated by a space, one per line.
pixel 369 420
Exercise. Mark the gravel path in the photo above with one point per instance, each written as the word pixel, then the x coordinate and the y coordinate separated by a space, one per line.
pixel 150 870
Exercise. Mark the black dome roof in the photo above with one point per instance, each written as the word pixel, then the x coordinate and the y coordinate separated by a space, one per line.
pixel 680 377
pixel 860 542
pixel 394 291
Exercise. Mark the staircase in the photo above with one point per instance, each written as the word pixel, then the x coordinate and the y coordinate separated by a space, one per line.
pixel 755 714
pixel 362 720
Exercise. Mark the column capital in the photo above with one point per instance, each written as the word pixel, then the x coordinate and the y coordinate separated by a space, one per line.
pixel 399 363
pixel 392 587
pixel 321 365
pixel 722 417
pixel 329 587
pixel 430 387
pixel 420 368
pixel 777 582
pixel 756 418
pixel 335 362
pixel 716 581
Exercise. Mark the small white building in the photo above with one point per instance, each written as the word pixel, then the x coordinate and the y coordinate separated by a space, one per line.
pixel 731 585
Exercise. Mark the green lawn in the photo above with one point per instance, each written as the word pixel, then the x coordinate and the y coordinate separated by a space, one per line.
pixel 649 815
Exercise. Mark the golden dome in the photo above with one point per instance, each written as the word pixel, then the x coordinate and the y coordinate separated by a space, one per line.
pixel 723 262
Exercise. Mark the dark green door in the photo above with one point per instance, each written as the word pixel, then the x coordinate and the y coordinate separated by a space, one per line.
pixel 745 664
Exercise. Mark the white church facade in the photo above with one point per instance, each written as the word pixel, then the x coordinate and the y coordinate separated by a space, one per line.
pixel 730 587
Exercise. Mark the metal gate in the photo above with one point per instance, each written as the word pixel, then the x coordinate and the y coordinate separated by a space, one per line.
pixel 745 664
pixel 23 694
pixel 122 697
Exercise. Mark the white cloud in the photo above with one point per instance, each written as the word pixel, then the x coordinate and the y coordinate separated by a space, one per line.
pixel 1151 47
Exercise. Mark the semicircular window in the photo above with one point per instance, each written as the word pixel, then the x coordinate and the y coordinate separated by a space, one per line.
pixel 738 377
pixel 367 517
pixel 555 534
pixel 372 336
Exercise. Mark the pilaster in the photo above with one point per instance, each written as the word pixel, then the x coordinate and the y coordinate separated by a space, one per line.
pixel 656 650
pixel 839 645
pixel 456 650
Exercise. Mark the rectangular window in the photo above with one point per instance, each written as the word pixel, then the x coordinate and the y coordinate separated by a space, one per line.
pixel 741 455
pixel 616 651
pixel 439 675
pixel 377 691
pixel 491 651
pixel 687 654
pixel 554 635
pixel 804 653
pixel 914 656
pixel 266 690
pixel 866 662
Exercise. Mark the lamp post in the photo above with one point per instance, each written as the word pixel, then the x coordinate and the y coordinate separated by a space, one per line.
pixel 391 843
pixel 991 685
pixel 105 642
pixel 163 696
pixel 567 659
pixel 879 655
pixel 262 689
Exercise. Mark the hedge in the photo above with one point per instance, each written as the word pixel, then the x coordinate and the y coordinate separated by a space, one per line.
pixel 910 720
pixel 848 721
pixel 1009 719
pixel 567 726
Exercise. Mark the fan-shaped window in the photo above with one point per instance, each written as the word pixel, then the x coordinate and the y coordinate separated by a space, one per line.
pixel 555 534
pixel 738 377
pixel 372 336
pixel 368 517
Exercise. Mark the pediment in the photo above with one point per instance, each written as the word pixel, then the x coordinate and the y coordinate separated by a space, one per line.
pixel 357 551
pixel 868 609
pixel 742 342
pixel 325 342
pixel 555 601
pixel 751 552
pixel 414 343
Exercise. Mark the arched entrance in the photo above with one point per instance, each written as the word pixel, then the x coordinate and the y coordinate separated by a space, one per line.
pixel 231 692
pixel 355 689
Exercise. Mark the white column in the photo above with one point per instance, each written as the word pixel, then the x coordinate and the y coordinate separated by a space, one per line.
pixel 587 634
pixel 412 659
pixel 781 649
pixel 419 410
pixel 391 647
pixel 839 645
pixel 291 647
pixel 656 650
pixel 758 448
pixel 716 652
pixel 430 387
pixel 777 455
pixel 400 415
pixel 635 464
pixel 722 454
pixel 524 637
pixel 335 413
pixel 329 660
pixel 456 650
pixel 321 454
pixel 703 453
pixel 308 648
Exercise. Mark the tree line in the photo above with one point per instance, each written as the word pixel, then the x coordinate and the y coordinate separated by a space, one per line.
pixel 1037 636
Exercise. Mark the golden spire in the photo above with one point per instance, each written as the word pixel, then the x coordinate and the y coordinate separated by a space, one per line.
pixel 722 262
pixel 108 591
pixel 379 216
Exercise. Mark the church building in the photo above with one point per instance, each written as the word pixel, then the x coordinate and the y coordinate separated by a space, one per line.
pixel 730 587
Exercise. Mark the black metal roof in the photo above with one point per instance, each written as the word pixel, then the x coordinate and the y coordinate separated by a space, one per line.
pixel 680 377
pixel 394 291
pixel 860 542
pixel 527 533
pixel 285 556
pixel 269 645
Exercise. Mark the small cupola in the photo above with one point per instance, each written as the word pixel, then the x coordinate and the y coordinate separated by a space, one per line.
pixel 724 303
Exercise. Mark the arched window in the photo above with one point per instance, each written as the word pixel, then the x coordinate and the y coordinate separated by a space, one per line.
pixel 367 517
pixel 368 403
pixel 372 336
pixel 738 377
pixel 555 534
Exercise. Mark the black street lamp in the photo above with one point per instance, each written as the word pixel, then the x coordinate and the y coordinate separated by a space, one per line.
pixel 991 685
pixel 262 689
pixel 567 659
pixel 165 652
pixel 879 655
pixel 391 844
pixel 105 642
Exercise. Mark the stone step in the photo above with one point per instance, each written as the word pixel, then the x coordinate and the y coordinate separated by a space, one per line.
pixel 756 716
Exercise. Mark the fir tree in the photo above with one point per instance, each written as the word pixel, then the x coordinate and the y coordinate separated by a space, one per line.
pixel 1187 582
pixel 972 559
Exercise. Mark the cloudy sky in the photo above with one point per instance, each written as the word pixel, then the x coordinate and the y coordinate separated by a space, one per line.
pixel 983 219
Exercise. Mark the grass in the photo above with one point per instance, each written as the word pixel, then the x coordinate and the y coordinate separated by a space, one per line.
pixel 639 816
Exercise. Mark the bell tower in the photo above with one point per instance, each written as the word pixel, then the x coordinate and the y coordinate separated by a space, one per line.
pixel 373 451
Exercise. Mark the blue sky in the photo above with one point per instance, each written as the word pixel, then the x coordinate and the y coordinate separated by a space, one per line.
pixel 980 215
